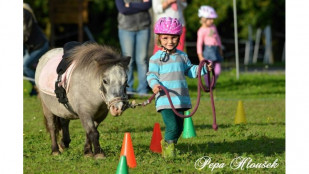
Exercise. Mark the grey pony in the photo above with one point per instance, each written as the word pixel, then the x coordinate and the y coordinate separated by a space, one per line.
pixel 97 85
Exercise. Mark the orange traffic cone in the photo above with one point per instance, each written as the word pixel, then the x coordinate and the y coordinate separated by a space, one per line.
pixel 155 144
pixel 127 150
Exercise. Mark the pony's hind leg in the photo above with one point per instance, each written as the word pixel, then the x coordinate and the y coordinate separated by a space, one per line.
pixel 65 141
pixel 52 124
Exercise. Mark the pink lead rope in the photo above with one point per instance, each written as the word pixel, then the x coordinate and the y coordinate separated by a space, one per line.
pixel 200 85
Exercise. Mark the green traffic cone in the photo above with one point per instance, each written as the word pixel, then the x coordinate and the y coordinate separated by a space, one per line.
pixel 188 128
pixel 122 166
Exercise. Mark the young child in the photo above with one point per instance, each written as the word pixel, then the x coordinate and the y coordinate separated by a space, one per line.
pixel 168 67
pixel 173 9
pixel 208 36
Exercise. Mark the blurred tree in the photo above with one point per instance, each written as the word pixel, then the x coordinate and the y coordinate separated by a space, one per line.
pixel 257 13
pixel 103 22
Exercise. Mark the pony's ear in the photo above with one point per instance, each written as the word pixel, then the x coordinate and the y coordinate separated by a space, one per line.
pixel 127 60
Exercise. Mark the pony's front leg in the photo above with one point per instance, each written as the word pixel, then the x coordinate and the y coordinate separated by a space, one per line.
pixel 88 148
pixel 92 138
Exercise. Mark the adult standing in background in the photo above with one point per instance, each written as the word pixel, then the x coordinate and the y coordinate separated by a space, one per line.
pixel 35 43
pixel 134 34
pixel 173 9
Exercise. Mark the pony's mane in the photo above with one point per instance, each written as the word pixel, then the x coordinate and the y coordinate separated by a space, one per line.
pixel 104 56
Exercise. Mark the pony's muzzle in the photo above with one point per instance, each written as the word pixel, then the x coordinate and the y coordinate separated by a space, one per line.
pixel 117 105
pixel 116 109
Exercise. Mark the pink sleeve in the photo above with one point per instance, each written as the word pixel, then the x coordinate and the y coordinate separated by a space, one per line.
pixel 199 43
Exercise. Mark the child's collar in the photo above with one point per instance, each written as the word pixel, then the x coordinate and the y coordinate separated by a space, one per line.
pixel 170 56
pixel 176 51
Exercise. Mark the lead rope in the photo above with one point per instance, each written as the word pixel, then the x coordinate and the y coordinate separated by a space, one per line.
pixel 200 85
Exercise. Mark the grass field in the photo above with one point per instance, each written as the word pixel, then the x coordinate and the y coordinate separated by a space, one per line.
pixel 261 139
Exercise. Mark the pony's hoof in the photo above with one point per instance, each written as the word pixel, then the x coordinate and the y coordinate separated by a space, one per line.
pixel 88 155
pixel 99 156
pixel 61 149
pixel 55 153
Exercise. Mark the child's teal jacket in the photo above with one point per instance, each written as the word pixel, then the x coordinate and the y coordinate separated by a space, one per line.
pixel 170 71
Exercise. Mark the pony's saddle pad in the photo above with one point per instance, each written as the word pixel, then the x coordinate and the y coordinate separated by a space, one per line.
pixel 49 76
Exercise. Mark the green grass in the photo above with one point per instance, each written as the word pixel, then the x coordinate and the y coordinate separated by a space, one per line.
pixel 262 138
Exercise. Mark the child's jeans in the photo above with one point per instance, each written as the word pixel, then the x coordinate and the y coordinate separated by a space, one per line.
pixel 212 53
pixel 30 58
pixel 173 124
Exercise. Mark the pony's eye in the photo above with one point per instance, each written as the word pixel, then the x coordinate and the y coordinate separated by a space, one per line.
pixel 105 82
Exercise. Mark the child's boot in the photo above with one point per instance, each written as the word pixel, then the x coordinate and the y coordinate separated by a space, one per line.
pixel 168 149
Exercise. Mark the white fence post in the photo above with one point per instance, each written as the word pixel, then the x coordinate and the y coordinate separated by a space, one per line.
pixel 283 53
pixel 251 45
pixel 257 45
pixel 268 55
pixel 247 53
pixel 236 39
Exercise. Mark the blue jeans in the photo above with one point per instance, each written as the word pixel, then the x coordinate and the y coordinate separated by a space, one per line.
pixel 135 44
pixel 212 53
pixel 31 58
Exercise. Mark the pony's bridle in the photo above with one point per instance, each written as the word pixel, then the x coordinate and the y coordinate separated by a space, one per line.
pixel 114 100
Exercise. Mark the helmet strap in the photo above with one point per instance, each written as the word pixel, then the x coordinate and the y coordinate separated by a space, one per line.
pixel 169 50
pixel 167 53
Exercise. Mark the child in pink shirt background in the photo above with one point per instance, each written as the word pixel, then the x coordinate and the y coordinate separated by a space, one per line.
pixel 208 40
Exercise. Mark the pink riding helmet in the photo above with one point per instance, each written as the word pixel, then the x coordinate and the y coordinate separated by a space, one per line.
pixel 168 25
pixel 207 12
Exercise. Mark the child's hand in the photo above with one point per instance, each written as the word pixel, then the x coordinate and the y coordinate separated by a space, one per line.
pixel 200 57
pixel 209 66
pixel 156 89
